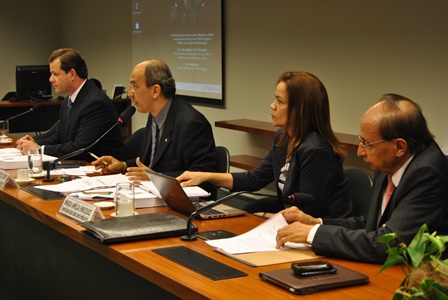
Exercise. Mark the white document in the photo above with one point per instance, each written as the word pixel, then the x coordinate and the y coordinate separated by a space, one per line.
pixel 85 183
pixel 142 197
pixel 259 239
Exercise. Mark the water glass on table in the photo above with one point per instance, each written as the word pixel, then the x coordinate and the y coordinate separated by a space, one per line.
pixel 124 199
pixel 4 129
pixel 35 161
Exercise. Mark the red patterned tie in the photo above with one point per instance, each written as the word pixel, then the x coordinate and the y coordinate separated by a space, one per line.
pixel 389 190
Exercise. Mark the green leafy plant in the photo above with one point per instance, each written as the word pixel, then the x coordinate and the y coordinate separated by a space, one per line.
pixel 426 274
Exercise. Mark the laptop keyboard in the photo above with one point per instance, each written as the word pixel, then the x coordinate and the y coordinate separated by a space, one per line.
pixel 210 211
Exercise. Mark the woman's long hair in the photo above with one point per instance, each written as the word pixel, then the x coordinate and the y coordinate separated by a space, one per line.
pixel 308 111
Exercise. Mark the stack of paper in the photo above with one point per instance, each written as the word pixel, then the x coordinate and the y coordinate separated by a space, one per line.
pixel 103 187
pixel 12 158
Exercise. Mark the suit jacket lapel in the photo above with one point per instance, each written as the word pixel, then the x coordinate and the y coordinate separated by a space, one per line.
pixel 147 142
pixel 66 132
pixel 373 219
pixel 167 131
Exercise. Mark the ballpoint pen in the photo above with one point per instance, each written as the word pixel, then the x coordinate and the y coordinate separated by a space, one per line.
pixel 93 192
pixel 96 157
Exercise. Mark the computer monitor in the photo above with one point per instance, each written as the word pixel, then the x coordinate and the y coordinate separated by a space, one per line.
pixel 32 83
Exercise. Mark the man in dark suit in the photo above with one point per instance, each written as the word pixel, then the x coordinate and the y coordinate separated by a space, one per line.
pixel 86 113
pixel 183 136
pixel 396 142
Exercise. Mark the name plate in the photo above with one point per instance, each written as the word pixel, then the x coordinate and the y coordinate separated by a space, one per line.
pixel 80 210
pixel 6 178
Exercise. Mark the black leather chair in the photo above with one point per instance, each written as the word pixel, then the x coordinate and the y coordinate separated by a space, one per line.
pixel 223 166
pixel 9 96
pixel 359 190
pixel 222 159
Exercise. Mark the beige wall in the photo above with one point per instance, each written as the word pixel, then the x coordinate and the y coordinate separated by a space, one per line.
pixel 360 50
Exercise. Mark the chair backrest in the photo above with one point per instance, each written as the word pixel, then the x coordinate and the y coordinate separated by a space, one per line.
pixel 222 159
pixel 359 190
pixel 133 144
pixel 9 96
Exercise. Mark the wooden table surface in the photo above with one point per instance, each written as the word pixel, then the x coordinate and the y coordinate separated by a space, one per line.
pixel 139 258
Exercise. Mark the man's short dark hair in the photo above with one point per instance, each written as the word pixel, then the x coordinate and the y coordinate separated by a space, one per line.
pixel 70 59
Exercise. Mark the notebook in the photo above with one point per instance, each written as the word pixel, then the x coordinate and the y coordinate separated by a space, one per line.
pixel 286 279
pixel 176 198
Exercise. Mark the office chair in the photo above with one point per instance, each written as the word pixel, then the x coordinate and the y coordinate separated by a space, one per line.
pixel 359 190
pixel 9 96
pixel 222 159
pixel 133 144
pixel 223 166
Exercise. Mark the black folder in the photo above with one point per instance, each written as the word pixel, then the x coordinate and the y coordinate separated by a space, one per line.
pixel 138 227
pixel 43 194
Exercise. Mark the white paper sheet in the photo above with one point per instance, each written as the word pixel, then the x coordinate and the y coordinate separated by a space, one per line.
pixel 85 183
pixel 259 239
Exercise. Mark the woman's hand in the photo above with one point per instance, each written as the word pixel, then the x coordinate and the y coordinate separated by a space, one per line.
pixel 189 178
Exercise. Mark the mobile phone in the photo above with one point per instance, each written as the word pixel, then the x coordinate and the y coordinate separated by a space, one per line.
pixel 313 268
pixel 215 234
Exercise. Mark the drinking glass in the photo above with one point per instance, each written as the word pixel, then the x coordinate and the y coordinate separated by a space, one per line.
pixel 4 129
pixel 35 161
pixel 124 199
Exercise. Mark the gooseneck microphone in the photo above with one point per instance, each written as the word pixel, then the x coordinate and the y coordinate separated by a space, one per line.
pixel 124 116
pixel 189 236
pixel 296 199
pixel 300 199
pixel 35 108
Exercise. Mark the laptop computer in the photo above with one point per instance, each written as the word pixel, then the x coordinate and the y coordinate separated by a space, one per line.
pixel 287 280
pixel 176 198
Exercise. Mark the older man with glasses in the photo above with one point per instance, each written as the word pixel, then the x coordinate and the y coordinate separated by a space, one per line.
pixel 177 136
pixel 410 188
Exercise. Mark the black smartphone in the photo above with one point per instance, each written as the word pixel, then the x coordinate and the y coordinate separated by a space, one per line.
pixel 313 268
pixel 215 234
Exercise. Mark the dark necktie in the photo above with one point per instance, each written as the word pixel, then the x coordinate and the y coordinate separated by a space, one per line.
pixel 155 137
pixel 69 104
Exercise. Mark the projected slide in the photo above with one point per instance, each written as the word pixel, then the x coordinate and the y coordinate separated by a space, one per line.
pixel 187 34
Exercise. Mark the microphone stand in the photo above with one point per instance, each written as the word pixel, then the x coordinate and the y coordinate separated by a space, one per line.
pixel 35 108
pixel 74 153
pixel 189 236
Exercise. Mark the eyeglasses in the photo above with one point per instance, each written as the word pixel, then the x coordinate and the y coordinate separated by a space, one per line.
pixel 363 143
pixel 132 87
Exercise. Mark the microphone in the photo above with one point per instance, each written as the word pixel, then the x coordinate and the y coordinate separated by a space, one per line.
pixel 300 199
pixel 124 116
pixel 35 108
pixel 189 236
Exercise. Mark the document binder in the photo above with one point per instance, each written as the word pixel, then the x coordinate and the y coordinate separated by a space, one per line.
pixel 138 227
pixel 287 280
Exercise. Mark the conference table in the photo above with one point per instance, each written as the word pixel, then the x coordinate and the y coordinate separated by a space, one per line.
pixel 45 255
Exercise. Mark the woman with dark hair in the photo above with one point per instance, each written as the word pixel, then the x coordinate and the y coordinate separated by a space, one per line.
pixel 305 157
